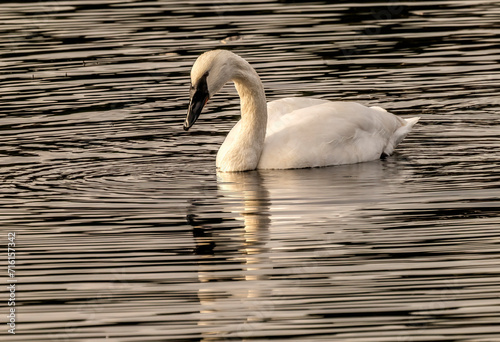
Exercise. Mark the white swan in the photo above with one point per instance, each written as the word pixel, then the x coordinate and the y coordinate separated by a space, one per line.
pixel 295 132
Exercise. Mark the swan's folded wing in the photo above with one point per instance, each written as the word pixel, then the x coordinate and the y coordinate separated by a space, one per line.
pixel 278 111
pixel 327 133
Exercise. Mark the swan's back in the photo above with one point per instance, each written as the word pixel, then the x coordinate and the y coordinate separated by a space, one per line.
pixel 307 132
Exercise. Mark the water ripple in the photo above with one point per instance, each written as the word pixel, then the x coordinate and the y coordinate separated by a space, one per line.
pixel 127 233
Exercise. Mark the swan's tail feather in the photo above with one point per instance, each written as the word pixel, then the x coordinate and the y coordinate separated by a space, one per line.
pixel 400 134
pixel 412 121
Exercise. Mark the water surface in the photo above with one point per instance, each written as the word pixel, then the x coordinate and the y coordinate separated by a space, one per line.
pixel 125 232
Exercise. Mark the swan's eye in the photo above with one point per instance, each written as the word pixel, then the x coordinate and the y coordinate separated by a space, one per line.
pixel 200 86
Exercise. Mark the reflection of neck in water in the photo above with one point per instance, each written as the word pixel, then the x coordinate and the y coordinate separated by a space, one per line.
pixel 232 291
pixel 255 198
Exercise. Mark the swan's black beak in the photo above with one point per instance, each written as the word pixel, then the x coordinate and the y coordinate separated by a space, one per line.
pixel 195 107
pixel 198 100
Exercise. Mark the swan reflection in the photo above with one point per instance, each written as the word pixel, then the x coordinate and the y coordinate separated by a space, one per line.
pixel 278 223
pixel 234 262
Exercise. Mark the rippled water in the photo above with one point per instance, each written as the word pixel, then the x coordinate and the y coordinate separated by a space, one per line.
pixel 125 232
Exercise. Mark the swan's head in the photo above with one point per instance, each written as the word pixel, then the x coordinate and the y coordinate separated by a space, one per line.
pixel 209 73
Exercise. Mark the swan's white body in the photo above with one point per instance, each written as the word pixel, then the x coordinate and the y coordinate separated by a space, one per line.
pixel 295 132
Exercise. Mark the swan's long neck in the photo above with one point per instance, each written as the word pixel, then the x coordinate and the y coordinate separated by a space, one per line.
pixel 242 151
pixel 253 107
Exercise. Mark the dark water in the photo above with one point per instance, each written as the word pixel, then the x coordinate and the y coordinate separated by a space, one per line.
pixel 125 232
